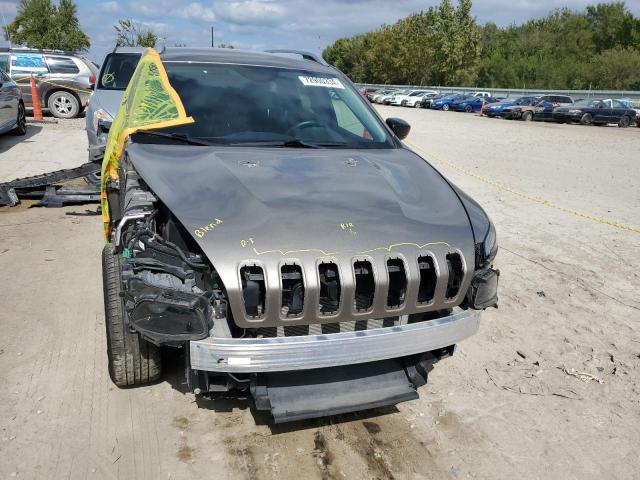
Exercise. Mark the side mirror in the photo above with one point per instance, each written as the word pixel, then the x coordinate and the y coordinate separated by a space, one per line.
pixel 104 126
pixel 399 127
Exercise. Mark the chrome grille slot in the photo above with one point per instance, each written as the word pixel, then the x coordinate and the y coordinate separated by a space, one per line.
pixel 365 286
pixel 292 294
pixel 428 279
pixel 456 273
pixel 253 290
pixel 329 288
pixel 397 283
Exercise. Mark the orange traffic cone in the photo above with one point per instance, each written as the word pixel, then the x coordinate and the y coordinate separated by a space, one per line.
pixel 37 112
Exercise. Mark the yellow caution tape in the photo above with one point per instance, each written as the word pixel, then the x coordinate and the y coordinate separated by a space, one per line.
pixel 42 80
pixel 532 198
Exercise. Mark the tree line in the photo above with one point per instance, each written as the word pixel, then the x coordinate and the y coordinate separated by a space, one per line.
pixel 44 25
pixel 597 48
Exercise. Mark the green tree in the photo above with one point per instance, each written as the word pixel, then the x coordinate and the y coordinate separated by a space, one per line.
pixel 131 34
pixel 40 24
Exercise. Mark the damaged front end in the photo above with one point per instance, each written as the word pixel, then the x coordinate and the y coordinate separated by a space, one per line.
pixel 170 294
pixel 306 335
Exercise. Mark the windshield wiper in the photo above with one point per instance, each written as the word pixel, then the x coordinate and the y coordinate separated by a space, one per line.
pixel 293 143
pixel 181 137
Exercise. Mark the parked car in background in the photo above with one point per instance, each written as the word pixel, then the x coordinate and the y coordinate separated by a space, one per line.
pixel 427 101
pixel 386 99
pixel 542 109
pixel 64 79
pixel 386 91
pixel 366 91
pixel 12 112
pixel 117 69
pixel 445 103
pixel 472 104
pixel 596 111
pixel 417 102
pixel 481 94
pixel 410 98
pixel 495 109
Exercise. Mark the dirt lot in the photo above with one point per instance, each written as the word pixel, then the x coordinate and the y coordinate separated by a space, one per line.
pixel 549 388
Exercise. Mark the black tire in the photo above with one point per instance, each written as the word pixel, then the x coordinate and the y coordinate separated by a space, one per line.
pixel 21 122
pixel 468 109
pixel 586 119
pixel 63 104
pixel 624 122
pixel 445 107
pixel 132 360
pixel 417 105
pixel 527 116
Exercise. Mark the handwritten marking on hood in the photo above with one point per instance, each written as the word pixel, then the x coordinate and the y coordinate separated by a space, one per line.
pixel 202 231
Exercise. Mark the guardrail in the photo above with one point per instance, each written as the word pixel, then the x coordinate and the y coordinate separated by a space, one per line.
pixel 519 92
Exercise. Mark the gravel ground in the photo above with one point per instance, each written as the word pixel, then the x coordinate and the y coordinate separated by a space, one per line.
pixel 549 388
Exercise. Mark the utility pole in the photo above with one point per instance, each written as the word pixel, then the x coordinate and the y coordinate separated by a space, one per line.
pixel 211 36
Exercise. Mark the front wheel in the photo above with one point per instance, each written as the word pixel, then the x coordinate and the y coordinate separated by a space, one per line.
pixel 527 116
pixel 132 360
pixel 445 107
pixel 63 104
pixel 586 119
pixel 624 122
pixel 468 109
pixel 21 121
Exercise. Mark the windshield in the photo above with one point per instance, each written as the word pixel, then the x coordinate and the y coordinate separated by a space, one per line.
pixel 587 103
pixel 117 71
pixel 241 104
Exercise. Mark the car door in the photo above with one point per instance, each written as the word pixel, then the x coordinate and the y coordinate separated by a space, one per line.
pixel 603 112
pixel 6 101
pixel 618 109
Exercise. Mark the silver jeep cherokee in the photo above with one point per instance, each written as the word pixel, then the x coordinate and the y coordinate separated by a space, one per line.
pixel 288 242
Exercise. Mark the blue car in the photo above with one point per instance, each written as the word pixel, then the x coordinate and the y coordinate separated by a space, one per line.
pixel 446 102
pixel 495 109
pixel 472 104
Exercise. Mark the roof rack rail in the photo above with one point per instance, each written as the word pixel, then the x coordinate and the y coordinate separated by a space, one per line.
pixel 306 55
pixel 37 50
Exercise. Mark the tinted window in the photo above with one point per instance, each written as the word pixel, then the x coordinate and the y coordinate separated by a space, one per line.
pixel 243 104
pixel 62 65
pixel 117 71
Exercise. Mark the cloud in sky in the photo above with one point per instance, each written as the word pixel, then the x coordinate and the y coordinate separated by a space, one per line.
pixel 299 24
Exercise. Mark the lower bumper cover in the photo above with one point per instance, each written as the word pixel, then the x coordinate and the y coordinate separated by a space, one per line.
pixel 255 355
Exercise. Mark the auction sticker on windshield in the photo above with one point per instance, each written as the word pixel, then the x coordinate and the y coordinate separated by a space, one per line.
pixel 321 82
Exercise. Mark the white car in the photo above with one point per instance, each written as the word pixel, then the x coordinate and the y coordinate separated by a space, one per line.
pixel 481 94
pixel 416 100
pixel 409 97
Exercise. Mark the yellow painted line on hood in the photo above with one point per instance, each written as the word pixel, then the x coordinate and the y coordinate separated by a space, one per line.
pixel 505 188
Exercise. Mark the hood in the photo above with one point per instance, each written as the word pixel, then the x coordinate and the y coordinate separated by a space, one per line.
pixel 108 100
pixel 270 204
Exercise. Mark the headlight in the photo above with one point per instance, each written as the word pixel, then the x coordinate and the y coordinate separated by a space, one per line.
pixel 490 244
pixel 98 115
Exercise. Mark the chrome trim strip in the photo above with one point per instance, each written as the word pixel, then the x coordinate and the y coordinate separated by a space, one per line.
pixel 251 355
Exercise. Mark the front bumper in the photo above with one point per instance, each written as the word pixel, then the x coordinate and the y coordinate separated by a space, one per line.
pixel 255 355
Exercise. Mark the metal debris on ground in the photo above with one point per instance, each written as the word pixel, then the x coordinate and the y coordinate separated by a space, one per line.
pixel 50 188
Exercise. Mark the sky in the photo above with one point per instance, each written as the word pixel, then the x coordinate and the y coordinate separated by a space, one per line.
pixel 262 24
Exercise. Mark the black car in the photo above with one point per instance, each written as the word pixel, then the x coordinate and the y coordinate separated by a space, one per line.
pixel 596 111
pixel 296 251
pixel 428 100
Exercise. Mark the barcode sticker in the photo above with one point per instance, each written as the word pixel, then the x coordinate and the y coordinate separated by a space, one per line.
pixel 321 82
